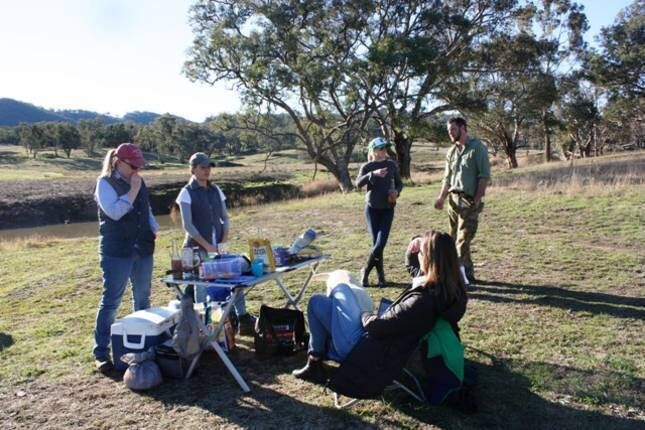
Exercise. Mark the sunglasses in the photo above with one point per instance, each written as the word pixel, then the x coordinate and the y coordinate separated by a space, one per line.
pixel 132 166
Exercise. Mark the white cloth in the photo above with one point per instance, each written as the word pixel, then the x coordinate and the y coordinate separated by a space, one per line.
pixel 361 295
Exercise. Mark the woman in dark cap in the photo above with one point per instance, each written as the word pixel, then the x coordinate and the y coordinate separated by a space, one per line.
pixel 127 233
pixel 381 175
pixel 205 221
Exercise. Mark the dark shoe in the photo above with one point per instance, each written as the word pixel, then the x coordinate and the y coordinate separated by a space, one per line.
pixel 365 278
pixel 365 271
pixel 314 371
pixel 103 365
pixel 246 325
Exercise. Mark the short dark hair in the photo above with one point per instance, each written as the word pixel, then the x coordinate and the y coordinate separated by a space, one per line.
pixel 458 120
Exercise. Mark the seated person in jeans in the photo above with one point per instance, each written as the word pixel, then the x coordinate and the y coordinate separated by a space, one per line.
pixel 380 345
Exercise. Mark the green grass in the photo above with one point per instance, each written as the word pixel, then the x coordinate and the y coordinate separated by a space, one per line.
pixel 556 331
pixel 556 334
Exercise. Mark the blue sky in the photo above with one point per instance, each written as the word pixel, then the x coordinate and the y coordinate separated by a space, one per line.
pixel 117 56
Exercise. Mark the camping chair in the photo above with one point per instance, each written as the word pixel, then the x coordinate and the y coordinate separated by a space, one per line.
pixel 444 349
pixel 413 388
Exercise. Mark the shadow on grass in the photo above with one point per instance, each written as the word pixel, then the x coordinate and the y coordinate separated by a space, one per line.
pixel 271 402
pixel 76 163
pixel 6 340
pixel 506 399
pixel 547 295
pixel 10 157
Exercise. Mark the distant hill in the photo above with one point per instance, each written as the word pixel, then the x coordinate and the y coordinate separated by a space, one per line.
pixel 77 115
pixel 140 117
pixel 13 112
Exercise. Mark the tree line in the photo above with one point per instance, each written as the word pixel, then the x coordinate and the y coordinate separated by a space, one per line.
pixel 168 136
pixel 325 76
pixel 519 70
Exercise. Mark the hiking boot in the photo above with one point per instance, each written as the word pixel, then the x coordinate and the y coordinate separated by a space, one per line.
pixel 380 272
pixel 364 278
pixel 246 325
pixel 103 365
pixel 314 371
pixel 365 271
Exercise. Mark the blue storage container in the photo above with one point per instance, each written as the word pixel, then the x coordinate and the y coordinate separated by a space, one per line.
pixel 140 330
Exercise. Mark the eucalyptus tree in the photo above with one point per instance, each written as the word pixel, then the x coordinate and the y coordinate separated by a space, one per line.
pixel 32 138
pixel 91 132
pixel 414 49
pixel 64 136
pixel 581 117
pixel 618 68
pixel 503 92
pixel 514 76
pixel 294 56
pixel 559 26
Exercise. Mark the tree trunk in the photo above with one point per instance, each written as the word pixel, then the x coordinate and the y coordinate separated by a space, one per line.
pixel 339 168
pixel 511 160
pixel 403 145
pixel 547 136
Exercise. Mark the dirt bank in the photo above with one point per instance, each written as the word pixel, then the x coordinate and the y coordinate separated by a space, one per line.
pixel 54 202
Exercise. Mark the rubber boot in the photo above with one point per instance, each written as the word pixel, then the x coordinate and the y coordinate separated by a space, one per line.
pixel 380 272
pixel 313 371
pixel 365 271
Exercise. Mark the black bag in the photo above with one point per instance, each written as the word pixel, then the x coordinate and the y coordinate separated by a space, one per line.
pixel 279 331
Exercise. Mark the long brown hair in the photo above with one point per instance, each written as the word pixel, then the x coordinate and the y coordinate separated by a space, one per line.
pixel 440 264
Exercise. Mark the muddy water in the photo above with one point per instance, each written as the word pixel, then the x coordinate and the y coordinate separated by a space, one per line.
pixel 68 231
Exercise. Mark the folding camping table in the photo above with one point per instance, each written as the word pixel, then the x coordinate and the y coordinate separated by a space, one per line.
pixel 241 288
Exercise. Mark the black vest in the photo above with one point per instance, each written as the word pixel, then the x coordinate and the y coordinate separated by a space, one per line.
pixel 206 209
pixel 132 232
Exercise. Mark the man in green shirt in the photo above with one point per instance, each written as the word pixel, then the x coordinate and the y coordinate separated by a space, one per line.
pixel 465 179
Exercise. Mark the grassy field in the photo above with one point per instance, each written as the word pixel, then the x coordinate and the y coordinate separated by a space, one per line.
pixel 556 329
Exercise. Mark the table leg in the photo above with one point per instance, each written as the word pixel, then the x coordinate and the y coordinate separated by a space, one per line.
pixel 291 300
pixel 230 366
pixel 312 272
pixel 218 349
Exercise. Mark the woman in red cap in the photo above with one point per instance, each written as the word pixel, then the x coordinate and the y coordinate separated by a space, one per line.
pixel 127 232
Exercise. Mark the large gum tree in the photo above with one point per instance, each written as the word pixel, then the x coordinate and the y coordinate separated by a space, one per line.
pixel 297 57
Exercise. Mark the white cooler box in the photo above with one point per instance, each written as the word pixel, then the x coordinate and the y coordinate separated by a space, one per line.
pixel 140 330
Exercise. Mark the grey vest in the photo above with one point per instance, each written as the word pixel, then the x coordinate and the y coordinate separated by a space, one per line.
pixel 207 210
pixel 132 232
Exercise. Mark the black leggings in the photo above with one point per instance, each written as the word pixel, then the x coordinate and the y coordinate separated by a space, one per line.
pixel 379 222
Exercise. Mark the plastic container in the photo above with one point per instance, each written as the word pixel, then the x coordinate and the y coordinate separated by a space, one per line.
pixel 302 241
pixel 141 330
pixel 225 266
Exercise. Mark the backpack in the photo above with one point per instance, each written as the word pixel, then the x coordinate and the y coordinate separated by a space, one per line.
pixel 279 331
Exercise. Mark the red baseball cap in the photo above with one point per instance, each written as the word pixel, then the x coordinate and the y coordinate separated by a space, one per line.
pixel 130 153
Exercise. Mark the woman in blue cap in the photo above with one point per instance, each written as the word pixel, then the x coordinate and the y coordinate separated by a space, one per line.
pixel 381 175
pixel 205 221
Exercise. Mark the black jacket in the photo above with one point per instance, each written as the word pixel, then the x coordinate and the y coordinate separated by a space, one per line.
pixel 389 340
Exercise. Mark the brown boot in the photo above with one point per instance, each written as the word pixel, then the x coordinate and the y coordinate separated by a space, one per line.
pixel 314 371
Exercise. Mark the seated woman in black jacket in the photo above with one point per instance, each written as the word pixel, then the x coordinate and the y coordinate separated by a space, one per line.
pixel 388 340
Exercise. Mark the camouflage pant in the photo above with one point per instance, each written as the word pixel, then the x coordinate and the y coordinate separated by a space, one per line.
pixel 462 226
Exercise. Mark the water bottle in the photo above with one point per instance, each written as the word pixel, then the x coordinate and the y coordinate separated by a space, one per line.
pixel 302 241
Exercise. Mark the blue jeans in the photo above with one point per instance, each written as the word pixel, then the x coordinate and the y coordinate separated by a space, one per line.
pixel 379 222
pixel 116 272
pixel 334 322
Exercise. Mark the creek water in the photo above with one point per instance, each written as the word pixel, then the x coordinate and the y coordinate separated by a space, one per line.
pixel 68 231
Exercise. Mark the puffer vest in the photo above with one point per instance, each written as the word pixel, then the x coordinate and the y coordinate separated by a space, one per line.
pixel 132 232
pixel 206 210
